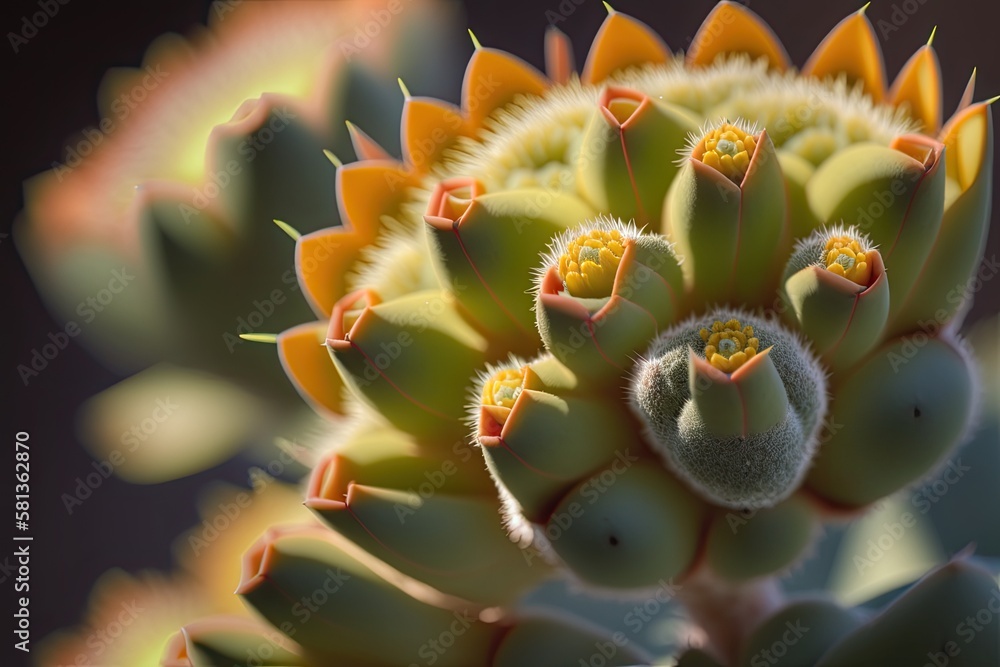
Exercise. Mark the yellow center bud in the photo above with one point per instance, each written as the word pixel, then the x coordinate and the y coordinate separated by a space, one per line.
pixel 591 260
pixel 845 257
pixel 503 388
pixel 728 346
pixel 728 150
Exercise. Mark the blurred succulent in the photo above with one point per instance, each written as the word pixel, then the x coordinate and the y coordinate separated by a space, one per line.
pixel 137 236
pixel 126 622
pixel 131 620
pixel 675 370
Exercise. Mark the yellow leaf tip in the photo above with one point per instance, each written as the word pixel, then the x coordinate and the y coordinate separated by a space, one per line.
pixel 863 9
pixel 930 40
pixel 402 86
pixel 288 229
pixel 333 158
pixel 475 40
pixel 607 6
pixel 260 337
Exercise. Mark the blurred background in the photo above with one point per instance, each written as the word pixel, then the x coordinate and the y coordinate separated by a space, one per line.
pixel 51 83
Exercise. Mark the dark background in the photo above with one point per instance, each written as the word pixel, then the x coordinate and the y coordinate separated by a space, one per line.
pixel 50 88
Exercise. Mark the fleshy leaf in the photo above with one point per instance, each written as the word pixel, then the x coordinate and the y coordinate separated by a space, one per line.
pixel 851 49
pixel 168 422
pixel 622 42
pixel 732 28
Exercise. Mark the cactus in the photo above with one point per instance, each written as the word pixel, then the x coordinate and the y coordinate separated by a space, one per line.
pixel 670 291
pixel 177 191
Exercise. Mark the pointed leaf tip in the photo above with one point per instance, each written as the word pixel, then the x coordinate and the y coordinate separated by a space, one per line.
pixel 734 28
pixel 260 337
pixel 365 148
pixel 333 158
pixel 607 6
pixel 558 55
pixel 288 229
pixel 930 40
pixel 622 42
pixel 863 9
pixel 402 86
pixel 475 40
pixel 851 48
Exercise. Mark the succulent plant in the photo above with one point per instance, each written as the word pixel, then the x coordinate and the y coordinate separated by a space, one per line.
pixel 174 190
pixel 590 323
